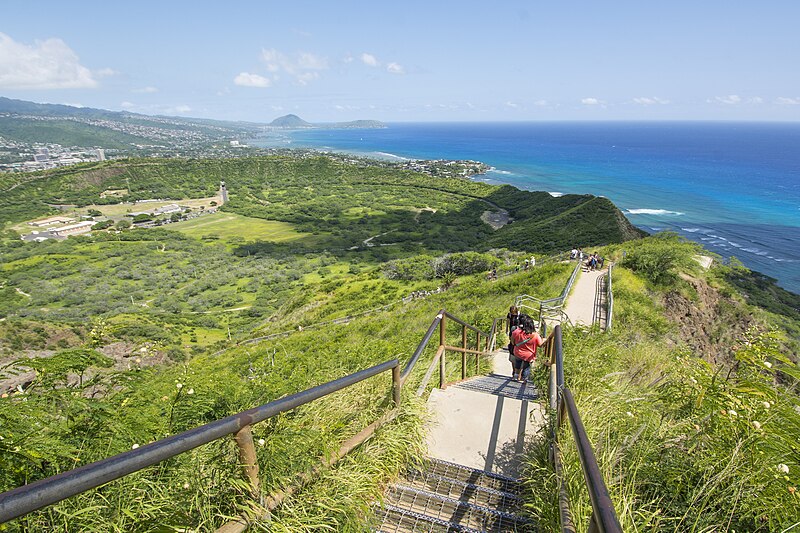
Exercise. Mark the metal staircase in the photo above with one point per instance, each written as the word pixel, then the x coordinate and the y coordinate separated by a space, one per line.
pixel 438 496
pixel 441 496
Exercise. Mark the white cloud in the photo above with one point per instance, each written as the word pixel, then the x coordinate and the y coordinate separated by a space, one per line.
pixel 348 59
pixel 512 105
pixel 306 77
pixel 648 100
pixel 755 100
pixel 106 72
pixel 245 79
pixel 395 68
pixel 731 99
pixel 146 90
pixel 370 60
pixel 303 66
pixel 783 100
pixel 48 64
pixel 127 105
pixel 591 101
pixel 541 103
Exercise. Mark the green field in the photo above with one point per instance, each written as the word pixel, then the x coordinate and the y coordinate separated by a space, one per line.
pixel 230 226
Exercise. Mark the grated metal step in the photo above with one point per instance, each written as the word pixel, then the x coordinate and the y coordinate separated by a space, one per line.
pixel 397 520
pixel 470 475
pixel 501 386
pixel 454 511
pixel 463 491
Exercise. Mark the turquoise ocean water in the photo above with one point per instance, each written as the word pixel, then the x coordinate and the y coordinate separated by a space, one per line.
pixel 733 187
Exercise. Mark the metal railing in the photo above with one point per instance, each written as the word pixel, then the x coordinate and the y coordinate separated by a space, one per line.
pixel 562 405
pixel 44 492
pixel 551 308
pixel 439 359
pixel 609 299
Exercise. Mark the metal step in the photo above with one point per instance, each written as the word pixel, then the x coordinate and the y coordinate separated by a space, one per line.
pixel 470 475
pixel 393 519
pixel 501 386
pixel 461 513
pixel 463 491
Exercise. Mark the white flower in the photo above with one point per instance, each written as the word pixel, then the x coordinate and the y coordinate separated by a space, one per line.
pixel 732 412
pixel 261 442
pixel 766 405
pixel 186 485
pixel 693 380
pixel 783 468
pixel 134 446
pixel 629 414
pixel 179 385
pixel 767 364
pixel 756 424
pixel 190 391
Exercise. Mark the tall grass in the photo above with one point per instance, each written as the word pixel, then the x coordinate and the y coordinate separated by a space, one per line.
pixel 683 445
pixel 54 427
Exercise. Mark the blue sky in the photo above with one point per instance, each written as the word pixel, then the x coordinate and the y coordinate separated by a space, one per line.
pixel 409 61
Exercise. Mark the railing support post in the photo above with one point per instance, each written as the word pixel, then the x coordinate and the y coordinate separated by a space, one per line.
pixel 442 370
pixel 477 357
pixel 464 354
pixel 396 385
pixel 553 388
pixel 248 459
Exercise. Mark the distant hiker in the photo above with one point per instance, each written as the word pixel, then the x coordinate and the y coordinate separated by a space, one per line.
pixel 573 254
pixel 527 264
pixel 593 261
pixel 600 262
pixel 533 261
pixel 494 273
pixel 512 323
pixel 526 340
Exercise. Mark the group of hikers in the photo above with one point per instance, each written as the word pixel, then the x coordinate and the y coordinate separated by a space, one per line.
pixel 521 329
pixel 593 261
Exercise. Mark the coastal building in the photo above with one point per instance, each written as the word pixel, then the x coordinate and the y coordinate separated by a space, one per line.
pixel 168 209
pixel 50 221
pixel 74 229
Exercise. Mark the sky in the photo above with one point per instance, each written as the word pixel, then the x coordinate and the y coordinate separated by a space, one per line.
pixel 410 61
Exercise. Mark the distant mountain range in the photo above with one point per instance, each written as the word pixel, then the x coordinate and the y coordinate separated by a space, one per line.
pixel 293 122
pixel 29 123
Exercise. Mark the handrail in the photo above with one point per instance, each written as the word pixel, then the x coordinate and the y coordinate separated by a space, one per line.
pixel 550 305
pixel 43 492
pixel 604 518
pixel 610 299
pixel 424 342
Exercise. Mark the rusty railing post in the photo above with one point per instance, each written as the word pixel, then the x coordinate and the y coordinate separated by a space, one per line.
pixel 477 356
pixel 248 459
pixel 396 385
pixel 442 370
pixel 464 353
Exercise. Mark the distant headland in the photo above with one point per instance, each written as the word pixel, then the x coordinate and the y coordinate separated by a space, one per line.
pixel 293 122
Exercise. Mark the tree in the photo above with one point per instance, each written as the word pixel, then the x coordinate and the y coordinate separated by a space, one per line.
pixel 123 224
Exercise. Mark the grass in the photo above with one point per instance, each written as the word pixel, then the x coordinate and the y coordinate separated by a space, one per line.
pixel 230 226
pixel 683 445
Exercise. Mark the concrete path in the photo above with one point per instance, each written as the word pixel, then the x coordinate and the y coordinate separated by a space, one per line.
pixel 580 306
pixel 489 427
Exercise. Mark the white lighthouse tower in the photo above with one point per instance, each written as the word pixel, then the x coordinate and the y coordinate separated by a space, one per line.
pixel 223 192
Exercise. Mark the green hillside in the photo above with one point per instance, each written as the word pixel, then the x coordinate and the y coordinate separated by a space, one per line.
pixel 66 133
pixel 316 269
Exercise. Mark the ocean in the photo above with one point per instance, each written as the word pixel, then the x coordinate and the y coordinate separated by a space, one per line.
pixel 733 187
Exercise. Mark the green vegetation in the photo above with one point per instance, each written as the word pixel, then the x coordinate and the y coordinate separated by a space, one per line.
pixel 233 228
pixel 685 444
pixel 120 338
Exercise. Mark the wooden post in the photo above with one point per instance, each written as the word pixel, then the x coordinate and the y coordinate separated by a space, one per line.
pixel 442 370
pixel 396 385
pixel 248 459
pixel 464 354
pixel 477 356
